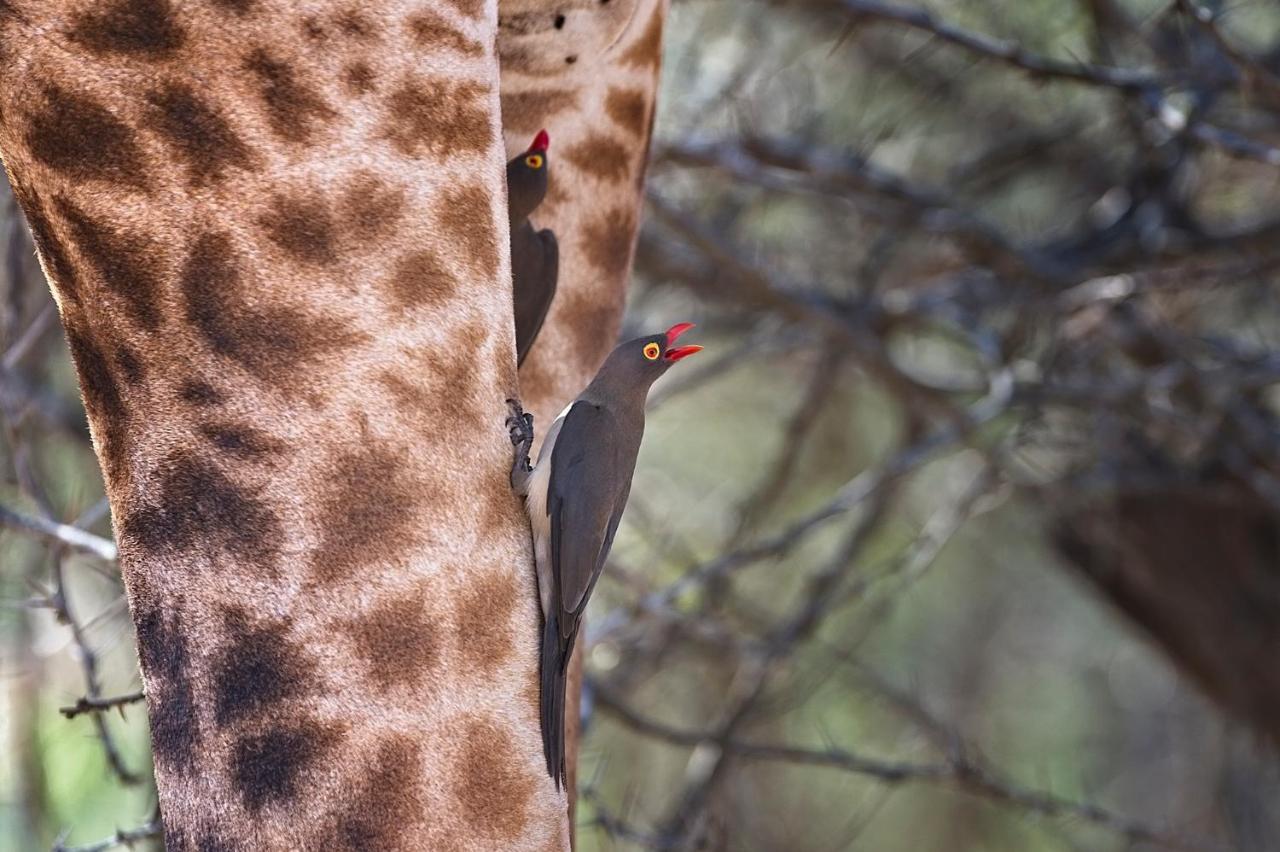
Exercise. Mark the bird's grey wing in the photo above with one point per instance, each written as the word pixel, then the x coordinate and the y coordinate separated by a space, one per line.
pixel 590 478
pixel 536 270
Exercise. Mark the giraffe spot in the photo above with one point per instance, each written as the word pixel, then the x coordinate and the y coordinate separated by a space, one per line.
pixel 129 364
pixel 358 78
pixel 470 8
pixel 241 441
pixel 438 117
pixel 454 373
pixel 367 514
pixel 369 208
pixel 52 253
pixel 466 215
pixel 213 843
pixel 239 7
pixel 293 108
pixel 270 767
pixel 166 660
pixel 131 27
pixel 196 505
pixel 397 642
pixel 529 111
pixel 270 342
pixel 593 322
pixel 197 132
pixel 379 816
pixel 81 139
pixel 482 624
pixel 257 668
pixel 313 29
pixel 354 24
pixel 491 789
pixel 303 227
pixel 433 32
pixel 129 265
pixel 419 279
pixel 606 243
pixel 408 395
pixel 646 51
pixel 601 157
pixel 199 393
pixel 500 507
pixel 628 108
pixel 103 400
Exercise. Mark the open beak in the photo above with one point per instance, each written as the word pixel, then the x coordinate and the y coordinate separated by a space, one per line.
pixel 675 353
pixel 540 143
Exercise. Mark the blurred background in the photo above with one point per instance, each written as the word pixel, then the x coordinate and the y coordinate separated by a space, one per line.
pixel 965 532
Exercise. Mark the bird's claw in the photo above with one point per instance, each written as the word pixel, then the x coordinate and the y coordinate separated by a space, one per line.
pixel 520 427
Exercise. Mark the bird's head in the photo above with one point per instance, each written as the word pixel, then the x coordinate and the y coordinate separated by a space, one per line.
pixel 527 177
pixel 636 364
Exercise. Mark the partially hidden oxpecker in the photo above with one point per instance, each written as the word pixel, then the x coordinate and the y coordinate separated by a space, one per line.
pixel 535 255
pixel 575 497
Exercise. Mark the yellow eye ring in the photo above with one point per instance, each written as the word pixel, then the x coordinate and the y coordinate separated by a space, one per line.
pixel 652 351
pixel 533 161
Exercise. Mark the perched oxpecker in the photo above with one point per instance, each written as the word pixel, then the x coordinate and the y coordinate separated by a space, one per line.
pixel 535 255
pixel 575 497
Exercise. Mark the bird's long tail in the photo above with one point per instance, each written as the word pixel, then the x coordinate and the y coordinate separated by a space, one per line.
pixel 555 665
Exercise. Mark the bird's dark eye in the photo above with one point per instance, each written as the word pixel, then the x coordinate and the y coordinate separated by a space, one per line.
pixel 652 351
pixel 533 161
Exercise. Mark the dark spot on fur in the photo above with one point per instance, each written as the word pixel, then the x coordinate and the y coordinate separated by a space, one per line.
pixel 239 7
pixel 271 342
pixel 367 514
pixel 313 29
pixel 271 767
pixel 358 78
pixel 353 23
pixel 453 374
pixel 466 216
pixel 197 505
pixel 628 108
pixel 80 138
pixel 103 400
pixel 212 843
pixel 130 365
pixel 303 227
pixel 198 133
pixel 493 791
pixel 529 111
pixel 397 641
pixel 646 51
pixel 601 157
pixel 435 33
pixel 293 108
pixel 482 626
pixel 132 27
pixel 380 816
pixel 128 264
pixel 438 117
pixel 199 392
pixel 420 278
pixel 594 323
pixel 369 208
pixel 166 661
pixel 241 441
pixel 59 267
pixel 256 668
pixel 606 243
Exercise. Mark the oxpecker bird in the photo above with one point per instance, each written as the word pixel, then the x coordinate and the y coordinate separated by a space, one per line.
pixel 575 497
pixel 535 255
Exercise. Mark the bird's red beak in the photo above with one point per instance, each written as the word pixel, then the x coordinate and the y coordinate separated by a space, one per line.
pixel 540 143
pixel 675 353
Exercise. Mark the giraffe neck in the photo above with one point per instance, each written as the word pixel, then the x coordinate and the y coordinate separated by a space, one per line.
pixel 276 239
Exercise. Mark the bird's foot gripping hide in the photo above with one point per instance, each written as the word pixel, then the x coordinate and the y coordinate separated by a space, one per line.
pixel 520 427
